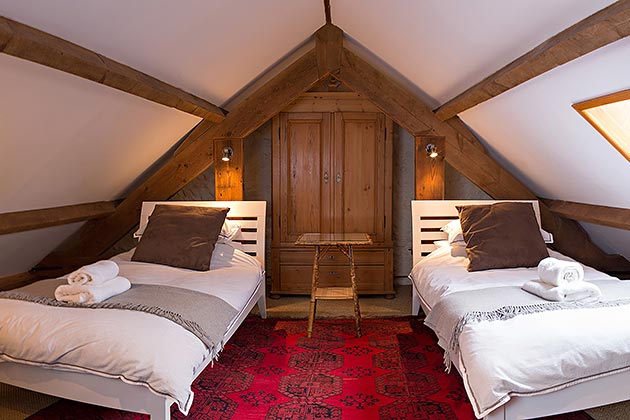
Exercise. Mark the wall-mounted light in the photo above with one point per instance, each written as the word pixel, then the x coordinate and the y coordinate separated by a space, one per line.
pixel 227 153
pixel 432 150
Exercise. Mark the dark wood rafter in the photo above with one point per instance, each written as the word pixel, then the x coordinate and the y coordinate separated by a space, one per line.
pixel 95 238
pixel 328 46
pixel 20 221
pixel 468 156
pixel 17 280
pixel 615 217
pixel 602 28
pixel 327 11
pixel 31 44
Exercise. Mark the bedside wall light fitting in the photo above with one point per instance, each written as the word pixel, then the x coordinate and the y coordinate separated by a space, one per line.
pixel 432 150
pixel 227 153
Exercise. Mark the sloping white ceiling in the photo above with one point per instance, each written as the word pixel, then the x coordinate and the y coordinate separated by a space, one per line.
pixel 208 48
pixel 446 46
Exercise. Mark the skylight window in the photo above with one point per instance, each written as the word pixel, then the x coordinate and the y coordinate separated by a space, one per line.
pixel 610 115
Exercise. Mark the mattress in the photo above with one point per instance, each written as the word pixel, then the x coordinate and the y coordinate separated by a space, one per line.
pixel 135 347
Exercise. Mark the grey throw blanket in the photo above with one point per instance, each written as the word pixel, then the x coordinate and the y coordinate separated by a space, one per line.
pixel 451 314
pixel 206 316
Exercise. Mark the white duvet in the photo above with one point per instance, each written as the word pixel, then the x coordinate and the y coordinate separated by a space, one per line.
pixel 528 354
pixel 134 346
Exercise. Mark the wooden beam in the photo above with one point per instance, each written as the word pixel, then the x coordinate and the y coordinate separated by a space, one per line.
pixel 228 175
pixel 600 215
pixel 468 156
pixel 327 11
pixel 31 44
pixel 17 280
pixel 20 221
pixel 328 45
pixel 602 28
pixel 429 171
pixel 94 239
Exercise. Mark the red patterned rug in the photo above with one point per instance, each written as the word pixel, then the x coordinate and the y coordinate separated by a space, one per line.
pixel 270 370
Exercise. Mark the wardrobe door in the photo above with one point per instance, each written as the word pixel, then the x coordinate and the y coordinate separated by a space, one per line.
pixel 360 156
pixel 305 179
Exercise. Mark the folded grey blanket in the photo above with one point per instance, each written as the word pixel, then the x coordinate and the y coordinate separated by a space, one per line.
pixel 206 316
pixel 451 314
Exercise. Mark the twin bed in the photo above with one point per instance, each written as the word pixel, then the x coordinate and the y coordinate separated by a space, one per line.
pixel 131 360
pixel 520 367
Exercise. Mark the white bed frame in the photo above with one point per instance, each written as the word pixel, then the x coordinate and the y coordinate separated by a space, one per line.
pixel 427 218
pixel 113 392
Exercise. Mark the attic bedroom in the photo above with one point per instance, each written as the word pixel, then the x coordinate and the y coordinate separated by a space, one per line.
pixel 315 209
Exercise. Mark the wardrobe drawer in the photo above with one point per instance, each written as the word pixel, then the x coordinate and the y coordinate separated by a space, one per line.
pixel 297 278
pixel 305 257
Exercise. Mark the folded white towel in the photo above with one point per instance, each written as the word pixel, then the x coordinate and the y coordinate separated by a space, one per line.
pixel 558 272
pixel 92 293
pixel 579 291
pixel 96 273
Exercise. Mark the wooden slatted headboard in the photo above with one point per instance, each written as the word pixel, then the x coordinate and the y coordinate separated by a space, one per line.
pixel 428 216
pixel 249 214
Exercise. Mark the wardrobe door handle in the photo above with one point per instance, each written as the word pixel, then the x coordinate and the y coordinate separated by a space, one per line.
pixel 326 177
pixel 338 178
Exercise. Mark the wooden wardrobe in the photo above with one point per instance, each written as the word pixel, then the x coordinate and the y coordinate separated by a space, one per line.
pixel 332 172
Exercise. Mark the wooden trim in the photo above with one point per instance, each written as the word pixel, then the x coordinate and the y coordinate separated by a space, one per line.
pixel 17 280
pixel 95 238
pixel 228 176
pixel 468 156
pixel 327 11
pixel 602 28
pixel 20 221
pixel 331 102
pixel 584 106
pixel 600 215
pixel 429 171
pixel 328 46
pixel 31 44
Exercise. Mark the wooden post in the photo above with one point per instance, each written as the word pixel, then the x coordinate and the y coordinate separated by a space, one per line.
pixel 228 176
pixel 430 171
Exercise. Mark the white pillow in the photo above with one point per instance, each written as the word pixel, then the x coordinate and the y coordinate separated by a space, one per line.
pixel 441 244
pixel 229 230
pixel 454 231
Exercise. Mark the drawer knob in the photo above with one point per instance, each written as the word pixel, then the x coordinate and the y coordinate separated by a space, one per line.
pixel 332 273
pixel 331 257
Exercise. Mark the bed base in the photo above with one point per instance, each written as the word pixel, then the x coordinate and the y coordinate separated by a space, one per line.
pixel 604 390
pixel 113 392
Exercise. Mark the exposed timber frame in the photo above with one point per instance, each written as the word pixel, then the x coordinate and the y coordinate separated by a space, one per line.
pixel 463 151
pixel 615 217
pixel 31 44
pixel 601 28
pixel 20 221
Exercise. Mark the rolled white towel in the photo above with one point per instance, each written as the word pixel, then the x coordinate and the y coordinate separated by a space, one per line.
pixel 579 291
pixel 92 293
pixel 558 272
pixel 96 273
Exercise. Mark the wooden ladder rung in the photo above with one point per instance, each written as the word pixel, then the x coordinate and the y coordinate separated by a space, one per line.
pixel 334 293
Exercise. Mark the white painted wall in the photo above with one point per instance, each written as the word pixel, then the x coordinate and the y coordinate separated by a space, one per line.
pixel 211 48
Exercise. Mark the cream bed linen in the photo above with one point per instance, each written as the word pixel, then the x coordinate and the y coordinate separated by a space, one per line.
pixel 528 354
pixel 135 347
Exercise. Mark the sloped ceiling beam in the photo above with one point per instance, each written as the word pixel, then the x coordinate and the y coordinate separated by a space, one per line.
pixel 40 47
pixel 602 28
pixel 96 237
pixel 615 217
pixel 20 221
pixel 466 154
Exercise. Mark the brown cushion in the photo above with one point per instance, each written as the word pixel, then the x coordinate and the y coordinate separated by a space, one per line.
pixel 501 235
pixel 181 236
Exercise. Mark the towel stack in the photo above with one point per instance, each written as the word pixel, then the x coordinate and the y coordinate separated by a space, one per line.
pixel 93 283
pixel 562 281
